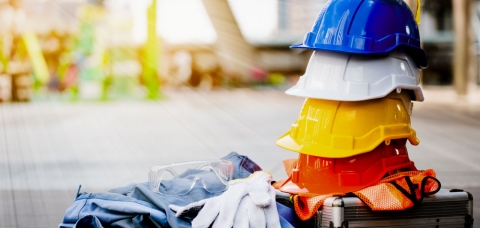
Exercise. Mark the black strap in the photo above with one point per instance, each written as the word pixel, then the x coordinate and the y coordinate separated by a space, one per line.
pixel 410 195
pixel 412 187
pixel 78 191
pixel 424 183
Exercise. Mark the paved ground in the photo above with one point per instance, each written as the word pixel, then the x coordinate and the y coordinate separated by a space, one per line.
pixel 48 148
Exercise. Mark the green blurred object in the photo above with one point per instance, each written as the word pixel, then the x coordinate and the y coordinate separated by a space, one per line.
pixel 124 87
pixel 3 59
pixel 107 72
pixel 37 59
pixel 83 71
pixel 150 54
pixel 276 79
pixel 86 38
pixel 106 84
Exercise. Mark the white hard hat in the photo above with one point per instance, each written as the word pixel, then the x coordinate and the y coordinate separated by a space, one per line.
pixel 347 77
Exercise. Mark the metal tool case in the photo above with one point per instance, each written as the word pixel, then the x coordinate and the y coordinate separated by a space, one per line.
pixel 447 208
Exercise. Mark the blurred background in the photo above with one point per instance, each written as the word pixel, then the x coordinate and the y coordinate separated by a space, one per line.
pixel 110 49
pixel 94 92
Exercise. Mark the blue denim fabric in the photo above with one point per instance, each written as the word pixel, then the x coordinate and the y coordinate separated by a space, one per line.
pixel 109 208
pixel 89 221
pixel 144 221
pixel 243 166
pixel 289 215
pixel 135 205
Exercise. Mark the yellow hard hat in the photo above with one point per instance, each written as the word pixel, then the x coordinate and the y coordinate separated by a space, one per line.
pixel 337 129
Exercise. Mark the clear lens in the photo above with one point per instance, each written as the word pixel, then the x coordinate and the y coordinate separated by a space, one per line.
pixel 181 178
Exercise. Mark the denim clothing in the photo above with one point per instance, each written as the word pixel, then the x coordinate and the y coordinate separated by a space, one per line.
pixel 243 166
pixel 135 205
pixel 124 204
pixel 144 221
pixel 95 209
pixel 89 221
pixel 288 214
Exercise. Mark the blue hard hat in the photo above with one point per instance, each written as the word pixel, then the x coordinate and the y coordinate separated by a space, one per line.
pixel 366 27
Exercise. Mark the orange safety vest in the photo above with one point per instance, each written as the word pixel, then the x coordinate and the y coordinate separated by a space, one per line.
pixel 395 192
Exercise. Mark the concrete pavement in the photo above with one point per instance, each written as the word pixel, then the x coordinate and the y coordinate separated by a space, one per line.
pixel 48 148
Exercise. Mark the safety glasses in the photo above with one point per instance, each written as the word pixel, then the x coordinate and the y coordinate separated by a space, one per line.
pixel 182 178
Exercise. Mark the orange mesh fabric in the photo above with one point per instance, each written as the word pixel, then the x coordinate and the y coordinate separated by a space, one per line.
pixel 396 192
pixel 289 165
pixel 306 207
pixel 403 190
pixel 383 197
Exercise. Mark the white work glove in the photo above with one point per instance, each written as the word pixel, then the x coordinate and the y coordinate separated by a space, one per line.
pixel 250 215
pixel 247 196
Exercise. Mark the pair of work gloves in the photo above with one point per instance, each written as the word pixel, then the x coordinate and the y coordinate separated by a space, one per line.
pixel 247 203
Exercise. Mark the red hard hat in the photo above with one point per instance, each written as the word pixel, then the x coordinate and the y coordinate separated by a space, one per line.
pixel 321 175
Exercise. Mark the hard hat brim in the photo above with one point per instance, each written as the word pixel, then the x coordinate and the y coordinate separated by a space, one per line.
pixel 287 142
pixel 417 54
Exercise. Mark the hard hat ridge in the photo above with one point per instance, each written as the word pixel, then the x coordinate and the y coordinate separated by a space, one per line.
pixel 366 27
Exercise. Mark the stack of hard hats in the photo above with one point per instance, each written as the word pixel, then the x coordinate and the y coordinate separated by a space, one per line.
pixel 359 86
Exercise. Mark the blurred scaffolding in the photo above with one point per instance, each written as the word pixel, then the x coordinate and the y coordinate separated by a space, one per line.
pixel 104 49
